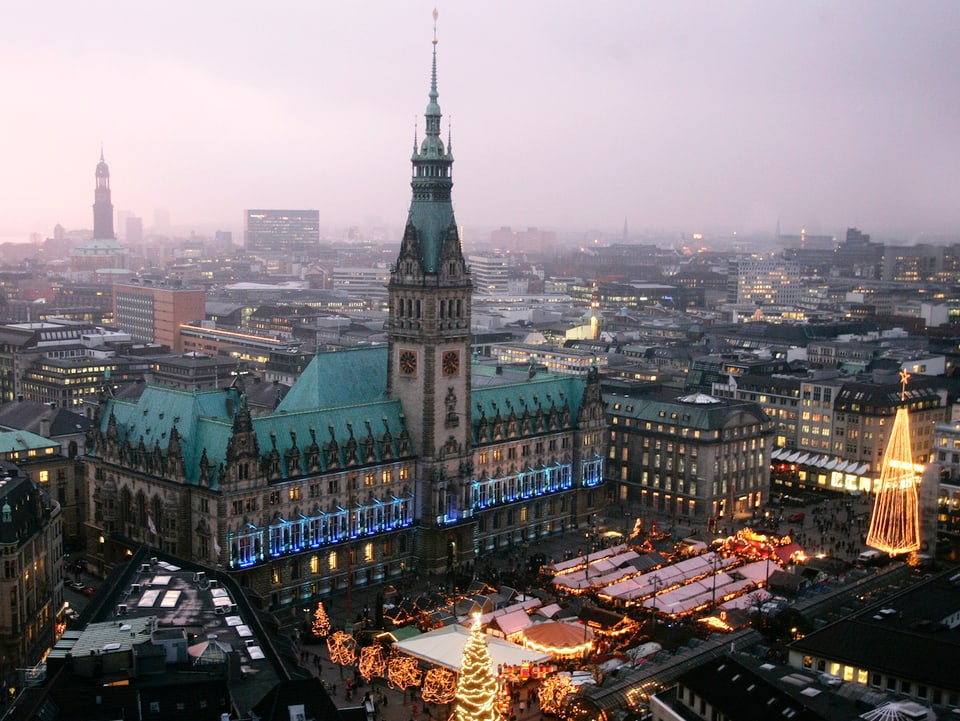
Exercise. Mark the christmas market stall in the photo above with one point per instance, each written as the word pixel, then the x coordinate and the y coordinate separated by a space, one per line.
pixel 559 640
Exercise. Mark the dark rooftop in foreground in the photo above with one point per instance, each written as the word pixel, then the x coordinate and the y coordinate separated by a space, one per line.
pixel 166 639
pixel 913 635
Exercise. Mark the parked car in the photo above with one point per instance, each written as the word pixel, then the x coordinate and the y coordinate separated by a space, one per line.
pixel 77 586
pixel 796 517
pixel 873 557
pixel 88 590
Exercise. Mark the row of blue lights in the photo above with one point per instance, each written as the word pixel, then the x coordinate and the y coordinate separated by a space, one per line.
pixel 247 548
pixel 535 484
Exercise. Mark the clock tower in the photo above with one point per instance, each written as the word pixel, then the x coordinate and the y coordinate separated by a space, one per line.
pixel 429 346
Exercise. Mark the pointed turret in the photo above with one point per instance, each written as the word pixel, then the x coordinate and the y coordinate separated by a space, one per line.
pixel 431 209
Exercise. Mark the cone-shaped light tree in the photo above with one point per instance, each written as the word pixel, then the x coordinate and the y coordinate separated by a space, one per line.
pixel 895 523
pixel 477 685
pixel 321 622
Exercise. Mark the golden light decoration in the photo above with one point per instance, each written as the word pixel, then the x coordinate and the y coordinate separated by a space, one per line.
pixel 477 684
pixel 439 686
pixel 373 661
pixel 895 523
pixel 321 622
pixel 559 640
pixel 403 671
pixel 552 691
pixel 342 647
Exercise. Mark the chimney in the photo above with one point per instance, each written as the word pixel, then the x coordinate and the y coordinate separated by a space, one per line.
pixel 45 427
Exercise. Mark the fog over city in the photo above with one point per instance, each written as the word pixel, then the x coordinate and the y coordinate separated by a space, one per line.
pixel 679 117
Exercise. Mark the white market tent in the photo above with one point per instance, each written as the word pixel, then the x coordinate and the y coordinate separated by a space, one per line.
pixel 549 611
pixel 758 571
pixel 444 647
pixel 566 566
pixel 748 600
pixel 513 622
pixel 600 571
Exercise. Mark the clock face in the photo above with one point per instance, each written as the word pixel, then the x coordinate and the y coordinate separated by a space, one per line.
pixel 408 362
pixel 450 363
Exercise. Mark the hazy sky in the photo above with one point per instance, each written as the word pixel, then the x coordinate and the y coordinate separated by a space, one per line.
pixel 684 116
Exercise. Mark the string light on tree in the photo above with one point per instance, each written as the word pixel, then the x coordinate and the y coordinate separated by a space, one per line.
pixel 439 686
pixel 895 523
pixel 343 649
pixel 552 691
pixel 403 671
pixel 321 622
pixel 477 685
pixel 373 661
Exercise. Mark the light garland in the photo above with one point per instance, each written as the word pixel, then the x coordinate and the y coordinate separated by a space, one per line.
pixel 403 672
pixel 565 651
pixel 373 661
pixel 439 686
pixel 572 651
pixel 552 691
pixel 342 647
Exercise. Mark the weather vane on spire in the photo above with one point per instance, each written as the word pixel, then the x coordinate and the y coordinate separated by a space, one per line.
pixel 904 377
pixel 435 16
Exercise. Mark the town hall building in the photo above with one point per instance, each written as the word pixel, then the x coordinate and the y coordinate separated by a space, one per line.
pixel 379 461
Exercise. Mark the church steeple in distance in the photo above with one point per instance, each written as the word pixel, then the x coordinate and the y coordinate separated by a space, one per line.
pixel 102 207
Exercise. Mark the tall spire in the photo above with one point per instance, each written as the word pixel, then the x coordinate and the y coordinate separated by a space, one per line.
pixel 431 210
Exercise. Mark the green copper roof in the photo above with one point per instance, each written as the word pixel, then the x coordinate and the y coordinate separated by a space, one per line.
pixel 340 397
pixel 360 422
pixel 339 378
pixel 18 441
pixel 694 412
pixel 544 390
pixel 203 419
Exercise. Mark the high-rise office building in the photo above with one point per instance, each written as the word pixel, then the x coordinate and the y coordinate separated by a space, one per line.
pixel 763 281
pixel 490 273
pixel 134 230
pixel 154 313
pixel 282 232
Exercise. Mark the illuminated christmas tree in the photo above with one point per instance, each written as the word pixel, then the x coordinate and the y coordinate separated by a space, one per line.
pixel 321 622
pixel 895 523
pixel 477 686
